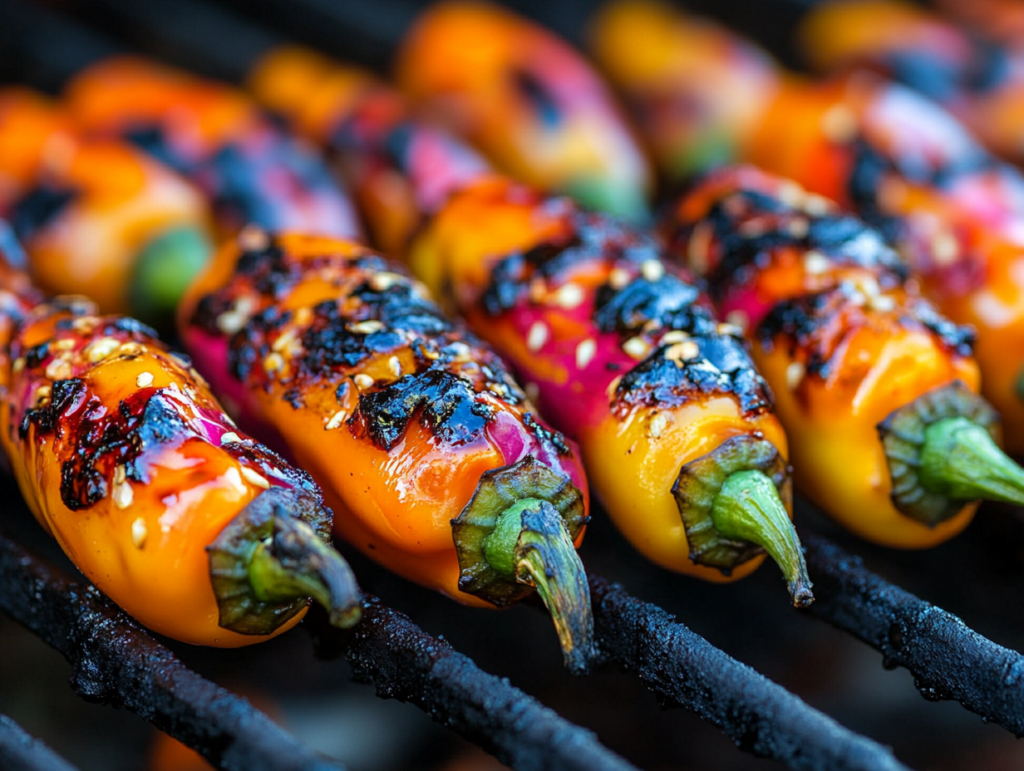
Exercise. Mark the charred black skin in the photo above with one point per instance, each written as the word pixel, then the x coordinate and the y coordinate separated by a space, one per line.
pixel 451 406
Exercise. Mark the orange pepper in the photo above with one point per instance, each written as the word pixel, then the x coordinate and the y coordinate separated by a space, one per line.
pixel 129 463
pixel 90 212
pixel 852 353
pixel 476 223
pixel 344 357
pixel 529 101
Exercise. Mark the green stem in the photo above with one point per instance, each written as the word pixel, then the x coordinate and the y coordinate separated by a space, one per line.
pixel 295 563
pixel 960 460
pixel 531 544
pixel 748 508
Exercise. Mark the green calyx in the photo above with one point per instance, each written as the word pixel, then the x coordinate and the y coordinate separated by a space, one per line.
pixel 734 503
pixel 269 562
pixel 162 272
pixel 516 535
pixel 942 451
pixel 620 199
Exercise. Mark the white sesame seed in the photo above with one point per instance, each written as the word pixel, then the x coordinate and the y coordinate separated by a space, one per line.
pixel 945 248
pixel 652 270
pixel 839 124
pixel 739 319
pixel 658 424
pixel 817 205
pixel 139 532
pixel 815 263
pixel 395 366
pixel 253 238
pixel 230 322
pixel 101 349
pixel 384 280
pixel 675 336
pixel 65 344
pixel 537 336
pixel 798 227
pixel 284 340
pixel 869 286
pixel 790 193
pixel 273 363
pixel 58 369
pixel 228 437
pixel 144 380
pixel 636 347
pixel 684 351
pixel 367 327
pixel 618 278
pixel 794 374
pixel 613 386
pixel 233 478
pixel 569 296
pixel 883 303
pixel 253 478
pixel 363 381
pixel 123 495
pixel 335 420
pixel 120 475
pixel 130 349
pixel 725 328
pixel 585 352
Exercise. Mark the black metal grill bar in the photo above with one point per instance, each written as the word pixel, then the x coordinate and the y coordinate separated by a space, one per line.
pixel 407 664
pixel 947 659
pixel 115 662
pixel 21 752
pixel 760 716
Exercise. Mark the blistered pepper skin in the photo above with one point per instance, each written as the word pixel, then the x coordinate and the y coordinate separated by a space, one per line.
pixel 621 351
pixel 530 102
pixel 252 172
pixel 343 356
pixel 84 209
pixel 840 338
pixel 127 460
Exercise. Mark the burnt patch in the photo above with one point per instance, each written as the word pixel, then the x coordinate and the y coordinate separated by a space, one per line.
pixel 667 302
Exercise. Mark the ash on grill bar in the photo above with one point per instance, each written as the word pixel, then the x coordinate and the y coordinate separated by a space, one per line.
pixel 464 689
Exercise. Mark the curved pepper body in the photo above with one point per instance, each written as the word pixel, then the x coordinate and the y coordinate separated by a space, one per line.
pixel 530 102
pixel 840 338
pixel 84 209
pixel 127 460
pixel 251 171
pixel 620 350
pixel 395 410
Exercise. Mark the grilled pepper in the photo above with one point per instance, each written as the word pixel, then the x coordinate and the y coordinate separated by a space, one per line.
pixel 448 478
pixel 98 217
pixel 649 385
pixel 905 166
pixel 528 101
pixel 125 458
pixel 876 390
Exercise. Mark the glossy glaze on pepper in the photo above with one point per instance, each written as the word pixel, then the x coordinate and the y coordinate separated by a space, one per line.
pixel 128 461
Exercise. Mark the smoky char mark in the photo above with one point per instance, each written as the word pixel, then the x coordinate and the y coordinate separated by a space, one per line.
pixel 750 226
pixel 818 322
pixel 714 364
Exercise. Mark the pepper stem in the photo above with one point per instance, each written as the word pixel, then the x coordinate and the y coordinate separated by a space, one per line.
pixel 296 563
pixel 960 460
pixel 748 508
pixel 531 544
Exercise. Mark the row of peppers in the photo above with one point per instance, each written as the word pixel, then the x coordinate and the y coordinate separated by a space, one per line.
pixel 325 346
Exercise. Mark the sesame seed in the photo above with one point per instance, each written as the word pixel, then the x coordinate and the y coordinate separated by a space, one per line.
pixel 58 369
pixel 120 475
pixel 636 347
pixel 303 316
pixel 395 366
pixel 613 386
pixel 273 363
pixel 144 380
pixel 585 352
pixel 253 238
pixel 675 336
pixel 537 336
pixel 652 270
pixel 794 374
pixel 230 322
pixel 19 364
pixel 569 296
pixel 725 328
pixel 883 303
pixel 684 351
pixel 284 340
pixel 139 532
pixel 228 437
pixel 798 227
pixel 618 278
pixel 335 420
pixel 85 324
pixel 101 349
pixel 945 248
pixel 42 394
pixel 658 424
pixel 65 344
pixel 738 318
pixel 367 327
pixel 869 286
pixel 379 282
pixel 130 349
pixel 790 193
pixel 254 478
pixel 839 124
pixel 123 495
pixel 459 351
pixel 816 205
pixel 363 381
pixel 532 391
pixel 815 263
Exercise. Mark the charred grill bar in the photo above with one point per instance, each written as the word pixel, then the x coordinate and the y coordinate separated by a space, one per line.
pixel 947 658
pixel 21 752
